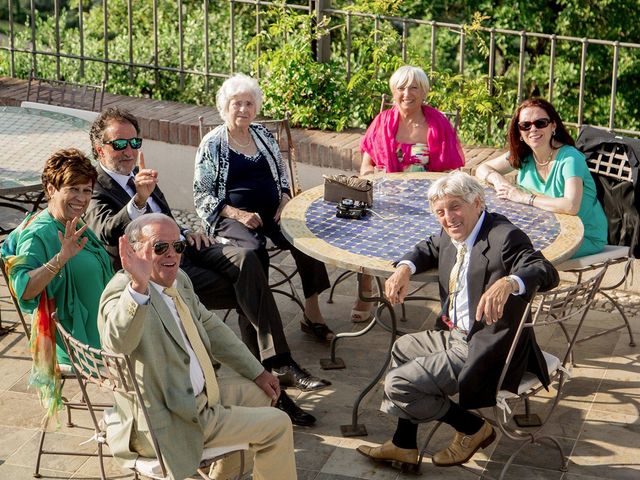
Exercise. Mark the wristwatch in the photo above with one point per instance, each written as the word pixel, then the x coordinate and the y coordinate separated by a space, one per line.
pixel 515 286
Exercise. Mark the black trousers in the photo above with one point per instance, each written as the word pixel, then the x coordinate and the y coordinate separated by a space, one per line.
pixel 312 272
pixel 225 276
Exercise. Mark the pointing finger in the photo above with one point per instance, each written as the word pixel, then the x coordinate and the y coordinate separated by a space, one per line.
pixel 141 161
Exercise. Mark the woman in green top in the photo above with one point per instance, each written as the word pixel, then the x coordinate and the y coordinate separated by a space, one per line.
pixel 552 173
pixel 52 264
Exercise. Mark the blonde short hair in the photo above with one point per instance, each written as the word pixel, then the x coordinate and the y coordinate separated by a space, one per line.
pixel 456 184
pixel 236 85
pixel 406 75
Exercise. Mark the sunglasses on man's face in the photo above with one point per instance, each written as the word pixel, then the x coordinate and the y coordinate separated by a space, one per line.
pixel 539 123
pixel 121 143
pixel 160 248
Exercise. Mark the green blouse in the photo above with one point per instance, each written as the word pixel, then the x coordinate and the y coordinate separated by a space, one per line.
pixel 570 162
pixel 78 286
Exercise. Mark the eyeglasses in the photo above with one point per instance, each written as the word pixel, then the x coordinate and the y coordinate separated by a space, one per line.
pixel 160 248
pixel 121 143
pixel 539 123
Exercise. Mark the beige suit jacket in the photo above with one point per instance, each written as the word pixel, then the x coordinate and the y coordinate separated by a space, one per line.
pixel 150 336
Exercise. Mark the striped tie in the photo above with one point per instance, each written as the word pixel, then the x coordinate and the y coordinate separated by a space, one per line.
pixel 454 284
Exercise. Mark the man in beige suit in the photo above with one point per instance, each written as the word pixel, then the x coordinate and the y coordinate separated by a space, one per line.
pixel 173 342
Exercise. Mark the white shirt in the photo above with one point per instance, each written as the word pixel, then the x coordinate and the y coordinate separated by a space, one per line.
pixel 133 211
pixel 459 304
pixel 195 370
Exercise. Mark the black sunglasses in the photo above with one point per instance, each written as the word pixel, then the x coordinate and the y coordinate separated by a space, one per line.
pixel 160 248
pixel 121 143
pixel 539 123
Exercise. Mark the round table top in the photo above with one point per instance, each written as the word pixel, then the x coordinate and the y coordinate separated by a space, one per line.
pixel 28 137
pixel 371 244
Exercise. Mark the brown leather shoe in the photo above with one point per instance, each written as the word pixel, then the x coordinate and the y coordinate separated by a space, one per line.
pixel 402 458
pixel 464 446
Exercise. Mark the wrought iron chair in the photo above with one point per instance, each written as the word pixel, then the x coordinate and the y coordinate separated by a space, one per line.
pixel 609 164
pixel 66 373
pixel 65 94
pixel 281 131
pixel 112 372
pixel 12 214
pixel 564 311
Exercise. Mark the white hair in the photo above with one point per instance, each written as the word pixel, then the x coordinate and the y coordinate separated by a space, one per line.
pixel 456 184
pixel 237 85
pixel 406 75
pixel 133 231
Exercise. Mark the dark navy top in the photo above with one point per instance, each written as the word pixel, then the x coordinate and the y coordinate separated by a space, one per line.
pixel 250 184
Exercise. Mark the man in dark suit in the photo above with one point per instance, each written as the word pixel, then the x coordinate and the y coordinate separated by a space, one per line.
pixel 487 270
pixel 223 276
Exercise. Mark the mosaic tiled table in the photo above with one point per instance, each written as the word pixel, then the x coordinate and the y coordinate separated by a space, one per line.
pixel 28 137
pixel 401 219
pixel 371 244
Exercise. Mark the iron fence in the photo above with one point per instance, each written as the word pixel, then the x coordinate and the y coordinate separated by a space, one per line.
pixel 515 41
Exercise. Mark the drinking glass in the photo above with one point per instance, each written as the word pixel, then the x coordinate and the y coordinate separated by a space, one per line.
pixel 379 180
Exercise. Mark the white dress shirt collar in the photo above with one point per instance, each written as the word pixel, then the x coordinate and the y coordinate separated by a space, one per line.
pixel 119 178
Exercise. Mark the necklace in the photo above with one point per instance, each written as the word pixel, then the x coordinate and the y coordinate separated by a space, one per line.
pixel 241 145
pixel 547 162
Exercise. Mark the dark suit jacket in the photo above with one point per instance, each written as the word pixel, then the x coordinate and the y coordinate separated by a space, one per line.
pixel 500 249
pixel 107 214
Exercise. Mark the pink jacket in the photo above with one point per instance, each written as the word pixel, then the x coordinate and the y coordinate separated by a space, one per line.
pixel 445 152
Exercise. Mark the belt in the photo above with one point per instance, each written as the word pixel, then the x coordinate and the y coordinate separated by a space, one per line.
pixel 453 327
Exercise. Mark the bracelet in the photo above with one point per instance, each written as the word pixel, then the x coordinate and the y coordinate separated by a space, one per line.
pixel 53 270
pixel 57 259
pixel 486 179
pixel 532 197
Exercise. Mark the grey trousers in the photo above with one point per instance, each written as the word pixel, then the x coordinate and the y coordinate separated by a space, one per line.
pixel 424 374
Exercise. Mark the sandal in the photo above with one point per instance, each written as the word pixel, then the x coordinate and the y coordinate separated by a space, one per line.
pixel 319 330
pixel 361 316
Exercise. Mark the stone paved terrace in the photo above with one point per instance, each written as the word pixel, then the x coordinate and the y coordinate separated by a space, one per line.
pixel 177 123
pixel 597 422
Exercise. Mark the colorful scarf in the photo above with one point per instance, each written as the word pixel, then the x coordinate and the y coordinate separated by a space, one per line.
pixel 445 152
pixel 45 372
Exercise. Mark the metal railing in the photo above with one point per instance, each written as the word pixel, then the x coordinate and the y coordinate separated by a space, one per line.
pixel 317 8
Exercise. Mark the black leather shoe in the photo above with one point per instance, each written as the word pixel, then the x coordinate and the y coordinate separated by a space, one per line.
pixel 293 375
pixel 296 414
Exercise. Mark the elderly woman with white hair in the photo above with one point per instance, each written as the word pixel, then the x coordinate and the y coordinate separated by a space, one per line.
pixel 411 136
pixel 241 186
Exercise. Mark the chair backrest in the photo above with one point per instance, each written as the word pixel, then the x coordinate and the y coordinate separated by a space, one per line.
pixel 65 94
pixel 281 131
pixel 12 215
pixel 565 307
pixel 454 117
pixel 110 372
pixel 614 163
pixel 14 300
